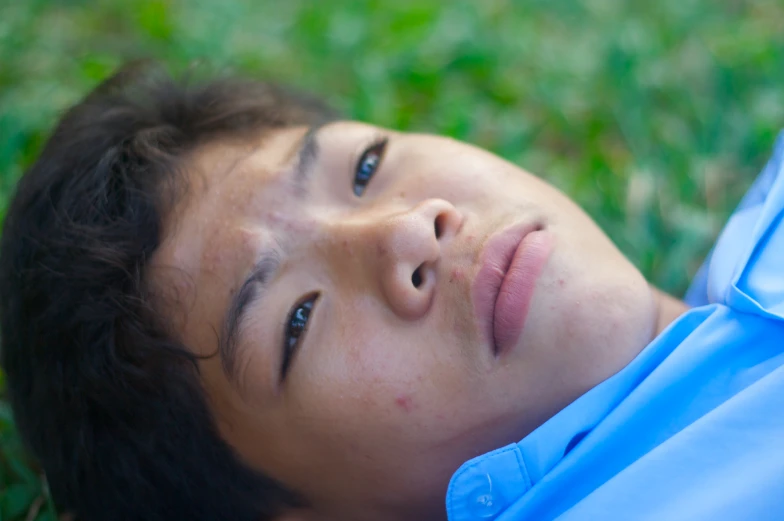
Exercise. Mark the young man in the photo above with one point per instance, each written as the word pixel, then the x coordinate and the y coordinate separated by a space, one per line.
pixel 221 302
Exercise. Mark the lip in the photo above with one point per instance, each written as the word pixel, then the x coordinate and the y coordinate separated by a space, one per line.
pixel 510 264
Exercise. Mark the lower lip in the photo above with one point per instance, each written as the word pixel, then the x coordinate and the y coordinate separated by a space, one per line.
pixel 517 289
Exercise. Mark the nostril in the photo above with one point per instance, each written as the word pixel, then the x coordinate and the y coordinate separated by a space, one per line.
pixel 416 277
pixel 439 225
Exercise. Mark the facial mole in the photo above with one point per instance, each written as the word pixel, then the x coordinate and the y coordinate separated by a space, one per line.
pixel 405 402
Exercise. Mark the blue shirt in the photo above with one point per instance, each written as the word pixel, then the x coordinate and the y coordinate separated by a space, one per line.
pixel 692 428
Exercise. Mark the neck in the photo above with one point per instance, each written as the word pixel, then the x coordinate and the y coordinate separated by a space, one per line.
pixel 668 308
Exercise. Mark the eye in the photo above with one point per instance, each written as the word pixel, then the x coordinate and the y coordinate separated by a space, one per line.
pixel 367 165
pixel 295 328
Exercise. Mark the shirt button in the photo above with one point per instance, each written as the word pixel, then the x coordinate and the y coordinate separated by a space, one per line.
pixel 482 502
pixel 484 507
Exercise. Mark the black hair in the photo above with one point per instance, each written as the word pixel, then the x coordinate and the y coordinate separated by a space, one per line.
pixel 104 396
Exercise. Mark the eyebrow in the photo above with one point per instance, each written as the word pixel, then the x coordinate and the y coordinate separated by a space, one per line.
pixel 251 288
pixel 258 278
pixel 307 155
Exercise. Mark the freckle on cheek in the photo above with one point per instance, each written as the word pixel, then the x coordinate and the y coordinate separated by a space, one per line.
pixel 405 402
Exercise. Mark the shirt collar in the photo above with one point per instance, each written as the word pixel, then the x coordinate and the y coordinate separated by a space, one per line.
pixel 483 487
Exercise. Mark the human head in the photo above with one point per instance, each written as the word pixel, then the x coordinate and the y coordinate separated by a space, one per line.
pixel 106 398
pixel 396 383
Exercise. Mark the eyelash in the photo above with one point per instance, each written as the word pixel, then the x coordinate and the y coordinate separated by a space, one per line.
pixel 293 334
pixel 372 157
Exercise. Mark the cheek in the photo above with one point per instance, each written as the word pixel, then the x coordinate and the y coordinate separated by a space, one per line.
pixel 452 172
pixel 371 374
pixel 370 378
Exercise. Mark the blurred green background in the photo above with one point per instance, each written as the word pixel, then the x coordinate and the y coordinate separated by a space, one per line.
pixel 655 116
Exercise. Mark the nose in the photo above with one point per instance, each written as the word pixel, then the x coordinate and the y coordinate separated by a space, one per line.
pixel 403 248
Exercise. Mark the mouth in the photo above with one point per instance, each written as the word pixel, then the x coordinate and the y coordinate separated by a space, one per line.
pixel 510 264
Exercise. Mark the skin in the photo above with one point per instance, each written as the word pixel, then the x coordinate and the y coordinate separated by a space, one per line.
pixel 392 387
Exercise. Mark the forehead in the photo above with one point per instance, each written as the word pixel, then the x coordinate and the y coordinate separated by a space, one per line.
pixel 207 245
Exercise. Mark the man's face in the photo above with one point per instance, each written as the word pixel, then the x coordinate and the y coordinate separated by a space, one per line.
pixel 394 325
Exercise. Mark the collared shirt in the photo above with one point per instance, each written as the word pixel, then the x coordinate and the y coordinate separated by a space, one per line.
pixel 691 429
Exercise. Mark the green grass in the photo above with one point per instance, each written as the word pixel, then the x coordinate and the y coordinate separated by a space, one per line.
pixel 655 116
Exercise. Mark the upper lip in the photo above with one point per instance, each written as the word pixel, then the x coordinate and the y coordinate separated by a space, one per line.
pixel 496 256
